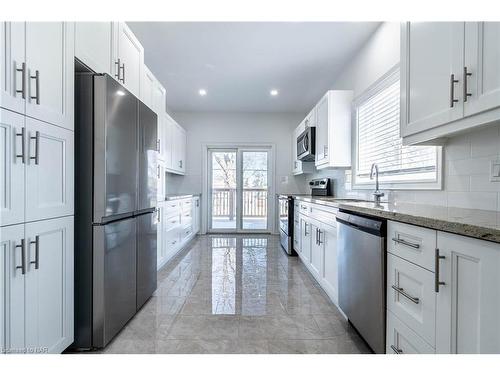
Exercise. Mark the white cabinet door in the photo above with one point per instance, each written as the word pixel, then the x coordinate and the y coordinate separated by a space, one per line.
pixel 305 241
pixel 316 251
pixel 160 252
pixel 196 214
pixel 161 181
pixel 49 284
pixel 162 124
pixel 93 45
pixel 482 61
pixel 147 83
pixel 168 142
pixel 12 159
pixel 322 131
pixel 329 270
pixel 49 172
pixel 431 52
pixel 468 304
pixel 12 280
pixel 131 55
pixel 159 98
pixel 182 152
pixel 50 72
pixel 12 60
pixel 178 149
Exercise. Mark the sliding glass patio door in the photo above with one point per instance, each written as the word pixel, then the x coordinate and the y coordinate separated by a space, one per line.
pixel 239 189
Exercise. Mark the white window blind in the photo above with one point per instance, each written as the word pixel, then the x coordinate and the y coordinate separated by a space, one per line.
pixel 377 117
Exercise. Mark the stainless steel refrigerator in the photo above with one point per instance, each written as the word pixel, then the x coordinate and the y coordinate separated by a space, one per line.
pixel 115 215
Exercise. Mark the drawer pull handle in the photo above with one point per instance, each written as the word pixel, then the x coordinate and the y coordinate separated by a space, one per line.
pixel 437 283
pixel 403 293
pixel 406 243
pixel 303 207
pixel 396 350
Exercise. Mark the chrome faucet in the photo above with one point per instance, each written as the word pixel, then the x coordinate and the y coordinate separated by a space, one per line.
pixel 377 194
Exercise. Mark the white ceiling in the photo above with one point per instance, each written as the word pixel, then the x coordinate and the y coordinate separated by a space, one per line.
pixel 239 63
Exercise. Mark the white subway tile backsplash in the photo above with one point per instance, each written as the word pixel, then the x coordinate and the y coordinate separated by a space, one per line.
pixel 478 200
pixel 458 148
pixel 482 183
pixel 468 166
pixel 485 142
pixel 457 183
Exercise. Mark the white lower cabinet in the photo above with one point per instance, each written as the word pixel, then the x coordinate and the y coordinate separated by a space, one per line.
pixel 12 287
pixel 329 266
pixel 37 261
pixel 468 303
pixel 318 245
pixel 402 340
pixel 179 224
pixel 454 307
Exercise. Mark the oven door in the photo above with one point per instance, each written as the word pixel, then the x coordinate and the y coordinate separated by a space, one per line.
pixel 283 214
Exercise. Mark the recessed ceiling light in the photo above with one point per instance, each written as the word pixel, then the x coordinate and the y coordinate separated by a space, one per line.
pixel 202 92
pixel 273 92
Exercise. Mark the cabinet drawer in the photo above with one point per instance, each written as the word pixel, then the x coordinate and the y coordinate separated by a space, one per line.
pixel 187 205
pixel 324 214
pixel 304 208
pixel 186 232
pixel 402 340
pixel 173 221
pixel 411 296
pixel 173 207
pixel 415 244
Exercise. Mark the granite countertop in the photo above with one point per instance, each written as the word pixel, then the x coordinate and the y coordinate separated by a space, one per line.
pixel 474 223
pixel 171 197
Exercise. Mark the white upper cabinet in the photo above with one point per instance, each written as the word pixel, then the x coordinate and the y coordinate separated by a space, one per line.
pixel 13 61
pixel 333 129
pixel 433 58
pixel 49 171
pixel 50 72
pixel 12 164
pixel 39 83
pixel 128 56
pixel 175 156
pixel 450 78
pixel 93 45
pixel 482 61
pixel 468 303
pixel 49 284
pixel 147 84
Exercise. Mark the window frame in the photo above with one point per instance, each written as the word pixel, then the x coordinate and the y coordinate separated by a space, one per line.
pixel 382 83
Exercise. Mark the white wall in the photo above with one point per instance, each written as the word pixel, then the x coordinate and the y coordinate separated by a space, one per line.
pixel 236 128
pixel 466 157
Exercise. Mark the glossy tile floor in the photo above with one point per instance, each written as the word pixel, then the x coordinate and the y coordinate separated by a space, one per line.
pixel 237 294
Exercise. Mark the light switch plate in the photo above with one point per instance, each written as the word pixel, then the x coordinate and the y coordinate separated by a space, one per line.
pixel 495 170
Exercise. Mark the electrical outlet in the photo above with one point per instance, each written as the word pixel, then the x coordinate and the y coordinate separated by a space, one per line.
pixel 495 170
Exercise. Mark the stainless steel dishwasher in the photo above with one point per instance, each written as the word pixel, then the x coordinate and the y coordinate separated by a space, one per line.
pixel 362 261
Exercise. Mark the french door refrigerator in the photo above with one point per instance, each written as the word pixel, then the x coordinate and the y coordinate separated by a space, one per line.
pixel 115 215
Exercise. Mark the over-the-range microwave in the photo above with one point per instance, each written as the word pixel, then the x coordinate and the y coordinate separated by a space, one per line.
pixel 306 142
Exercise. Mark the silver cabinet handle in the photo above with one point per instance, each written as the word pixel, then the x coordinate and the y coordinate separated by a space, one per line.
pixel 325 151
pixel 22 267
pixel 118 64
pixel 305 229
pixel 403 293
pixel 36 77
pixel 23 140
pixel 158 210
pixel 406 243
pixel 158 143
pixel 437 283
pixel 37 148
pixel 23 80
pixel 180 163
pixel 396 350
pixel 319 237
pixel 36 262
pixel 316 236
pixel 452 90
pixel 303 207
pixel 158 173
pixel 123 70
pixel 466 93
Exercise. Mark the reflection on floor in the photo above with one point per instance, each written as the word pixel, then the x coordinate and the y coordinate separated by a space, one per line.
pixel 250 223
pixel 237 294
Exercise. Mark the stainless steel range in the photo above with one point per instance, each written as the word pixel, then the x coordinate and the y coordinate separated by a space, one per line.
pixel 319 187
